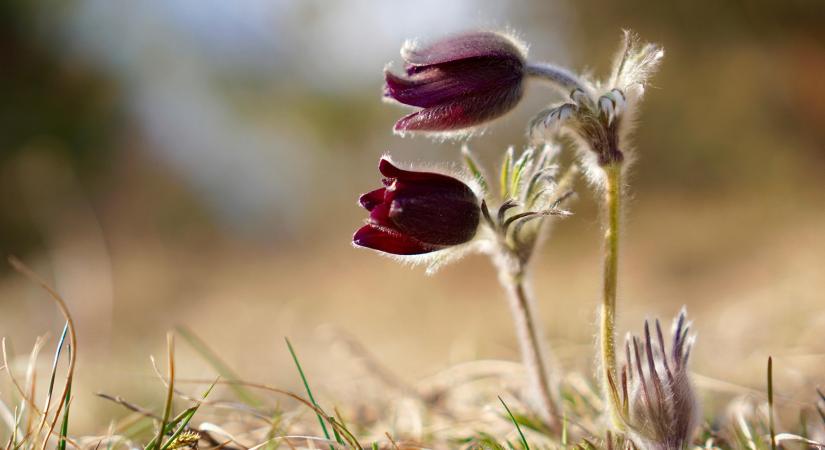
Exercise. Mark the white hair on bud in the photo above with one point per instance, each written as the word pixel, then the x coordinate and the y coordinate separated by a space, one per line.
pixel 604 112
pixel 634 64
pixel 441 136
pixel 409 46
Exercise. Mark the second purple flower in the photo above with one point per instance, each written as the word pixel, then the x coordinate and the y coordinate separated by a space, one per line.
pixel 459 82
pixel 417 212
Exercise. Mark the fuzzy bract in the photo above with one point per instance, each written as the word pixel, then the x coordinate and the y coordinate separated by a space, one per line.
pixel 659 407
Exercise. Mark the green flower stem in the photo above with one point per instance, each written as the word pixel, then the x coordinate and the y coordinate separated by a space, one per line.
pixel 612 203
pixel 530 343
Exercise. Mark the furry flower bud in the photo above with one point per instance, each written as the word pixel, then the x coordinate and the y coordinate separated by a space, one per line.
pixel 417 212
pixel 459 82
pixel 659 405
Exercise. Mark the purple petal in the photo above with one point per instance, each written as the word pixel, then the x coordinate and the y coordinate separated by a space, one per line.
pixel 452 81
pixel 463 46
pixel 406 177
pixel 443 217
pixel 372 198
pixel 380 215
pixel 389 241
pixel 465 113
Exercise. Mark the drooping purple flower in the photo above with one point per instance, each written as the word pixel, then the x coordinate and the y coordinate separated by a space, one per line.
pixel 459 82
pixel 417 212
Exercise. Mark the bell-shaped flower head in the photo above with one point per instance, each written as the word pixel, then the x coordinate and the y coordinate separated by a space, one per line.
pixel 418 212
pixel 459 82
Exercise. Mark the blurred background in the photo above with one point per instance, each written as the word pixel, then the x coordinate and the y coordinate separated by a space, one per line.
pixel 197 163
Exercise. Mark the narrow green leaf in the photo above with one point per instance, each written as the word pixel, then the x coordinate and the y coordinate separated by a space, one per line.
pixel 335 433
pixel 155 443
pixel 770 403
pixel 518 428
pixel 56 359
pixel 309 391
pixel 170 426
pixel 184 418
pixel 64 427
pixel 182 421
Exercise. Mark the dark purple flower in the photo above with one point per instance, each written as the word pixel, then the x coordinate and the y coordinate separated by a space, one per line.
pixel 460 82
pixel 417 212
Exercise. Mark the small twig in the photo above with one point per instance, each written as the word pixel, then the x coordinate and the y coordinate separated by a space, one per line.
pixel 392 441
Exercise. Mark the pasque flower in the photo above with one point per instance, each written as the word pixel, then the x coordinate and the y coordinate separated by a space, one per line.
pixel 417 212
pixel 459 82
pixel 658 405
pixel 600 114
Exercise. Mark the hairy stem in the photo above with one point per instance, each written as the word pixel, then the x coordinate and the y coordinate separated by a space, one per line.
pixel 531 341
pixel 563 78
pixel 612 204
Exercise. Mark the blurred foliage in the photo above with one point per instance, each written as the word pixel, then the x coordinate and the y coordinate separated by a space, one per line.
pixel 739 102
pixel 49 104
pixel 47 95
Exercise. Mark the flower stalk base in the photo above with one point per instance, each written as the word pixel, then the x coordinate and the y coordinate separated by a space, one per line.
pixel 531 338
pixel 612 204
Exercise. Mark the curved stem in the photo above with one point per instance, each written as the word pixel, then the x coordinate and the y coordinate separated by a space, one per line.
pixel 561 77
pixel 612 203
pixel 530 340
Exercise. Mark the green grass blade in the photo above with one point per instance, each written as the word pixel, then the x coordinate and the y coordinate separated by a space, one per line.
pixel 56 360
pixel 518 428
pixel 171 424
pixel 337 436
pixel 220 366
pixel 155 443
pixel 183 421
pixel 770 404
pixel 64 427
pixel 309 391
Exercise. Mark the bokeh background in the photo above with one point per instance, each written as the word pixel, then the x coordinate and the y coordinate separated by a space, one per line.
pixel 197 163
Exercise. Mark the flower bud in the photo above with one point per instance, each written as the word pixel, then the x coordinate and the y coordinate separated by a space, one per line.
pixel 660 407
pixel 459 82
pixel 417 212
